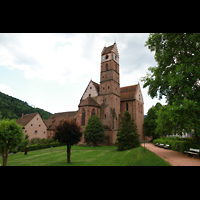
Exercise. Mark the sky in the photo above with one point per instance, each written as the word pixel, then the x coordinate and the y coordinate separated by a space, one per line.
pixel 52 70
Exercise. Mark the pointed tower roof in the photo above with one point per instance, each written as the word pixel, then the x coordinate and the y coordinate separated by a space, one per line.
pixel 112 48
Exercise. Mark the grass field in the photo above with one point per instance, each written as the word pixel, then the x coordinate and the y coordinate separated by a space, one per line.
pixel 86 156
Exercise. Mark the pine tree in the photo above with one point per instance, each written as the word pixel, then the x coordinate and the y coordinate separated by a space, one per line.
pixel 94 131
pixel 127 136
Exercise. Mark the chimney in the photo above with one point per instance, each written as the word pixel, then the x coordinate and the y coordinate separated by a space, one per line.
pixel 22 115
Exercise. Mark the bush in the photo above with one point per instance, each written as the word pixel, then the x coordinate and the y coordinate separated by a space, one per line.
pixel 34 140
pixel 41 146
pixel 184 143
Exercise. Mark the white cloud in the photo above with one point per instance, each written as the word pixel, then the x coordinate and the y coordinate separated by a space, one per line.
pixel 6 89
pixel 75 58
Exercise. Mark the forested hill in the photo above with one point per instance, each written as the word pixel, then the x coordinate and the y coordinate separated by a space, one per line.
pixel 13 108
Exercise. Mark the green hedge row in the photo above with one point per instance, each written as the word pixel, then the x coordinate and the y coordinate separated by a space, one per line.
pixel 178 144
pixel 41 146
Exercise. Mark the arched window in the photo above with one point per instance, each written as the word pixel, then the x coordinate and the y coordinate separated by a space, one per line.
pixel 83 117
pixel 93 111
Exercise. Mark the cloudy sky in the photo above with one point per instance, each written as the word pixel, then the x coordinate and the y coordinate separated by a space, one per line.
pixel 51 71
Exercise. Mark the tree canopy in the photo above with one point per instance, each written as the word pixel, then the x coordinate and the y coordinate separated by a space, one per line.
pixel 68 132
pixel 10 136
pixel 150 123
pixel 13 108
pixel 176 77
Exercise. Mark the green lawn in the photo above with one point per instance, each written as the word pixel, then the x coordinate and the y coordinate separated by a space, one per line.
pixel 86 156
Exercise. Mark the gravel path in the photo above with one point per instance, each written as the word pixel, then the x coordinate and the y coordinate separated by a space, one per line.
pixel 173 157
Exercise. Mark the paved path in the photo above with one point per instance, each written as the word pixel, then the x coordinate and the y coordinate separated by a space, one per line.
pixel 175 158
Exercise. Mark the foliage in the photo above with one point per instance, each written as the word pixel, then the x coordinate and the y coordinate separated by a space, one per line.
pixel 127 136
pixel 10 136
pixel 173 119
pixel 94 130
pixel 13 108
pixel 176 77
pixel 178 144
pixel 41 146
pixel 24 143
pixel 150 123
pixel 68 133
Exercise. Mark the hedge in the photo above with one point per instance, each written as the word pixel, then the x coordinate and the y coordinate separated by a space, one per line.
pixel 183 144
pixel 41 146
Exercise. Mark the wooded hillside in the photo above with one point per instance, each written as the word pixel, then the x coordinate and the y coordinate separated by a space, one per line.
pixel 13 108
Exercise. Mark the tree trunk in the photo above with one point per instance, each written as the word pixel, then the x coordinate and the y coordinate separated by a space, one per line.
pixel 68 153
pixel 5 157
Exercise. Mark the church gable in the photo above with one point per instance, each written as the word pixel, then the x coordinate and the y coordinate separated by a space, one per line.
pixel 92 90
pixel 138 95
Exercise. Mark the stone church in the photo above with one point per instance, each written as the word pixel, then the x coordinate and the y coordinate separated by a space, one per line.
pixel 107 100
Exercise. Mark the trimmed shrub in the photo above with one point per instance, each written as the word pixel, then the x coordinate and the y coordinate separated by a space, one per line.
pixel 41 146
pixel 183 144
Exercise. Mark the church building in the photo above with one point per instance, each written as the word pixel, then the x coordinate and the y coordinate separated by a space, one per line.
pixel 108 100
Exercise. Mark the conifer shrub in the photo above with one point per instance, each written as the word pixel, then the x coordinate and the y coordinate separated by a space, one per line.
pixel 127 136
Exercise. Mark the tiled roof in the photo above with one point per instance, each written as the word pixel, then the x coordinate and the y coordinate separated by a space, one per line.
pixel 89 101
pixel 57 118
pixel 128 93
pixel 26 119
pixel 107 49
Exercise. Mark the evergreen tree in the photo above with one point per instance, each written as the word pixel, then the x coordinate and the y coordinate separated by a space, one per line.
pixel 127 136
pixel 94 131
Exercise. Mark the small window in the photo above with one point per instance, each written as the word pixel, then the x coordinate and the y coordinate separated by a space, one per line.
pixel 105 115
pixel 37 118
pixel 106 56
pixel 90 87
pixel 89 95
pixel 108 87
pixel 106 67
pixel 39 125
pixel 127 106
pixel 25 131
pixel 44 132
pixel 103 88
pixel 93 111
pixel 35 132
pixel 31 124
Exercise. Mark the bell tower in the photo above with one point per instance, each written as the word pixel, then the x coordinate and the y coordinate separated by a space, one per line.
pixel 110 88
pixel 109 83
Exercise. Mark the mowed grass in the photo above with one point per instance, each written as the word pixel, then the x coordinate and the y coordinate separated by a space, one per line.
pixel 86 156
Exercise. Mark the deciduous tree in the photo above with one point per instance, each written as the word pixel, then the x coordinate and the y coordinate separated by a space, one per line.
pixel 10 136
pixel 68 132
pixel 176 75
pixel 150 123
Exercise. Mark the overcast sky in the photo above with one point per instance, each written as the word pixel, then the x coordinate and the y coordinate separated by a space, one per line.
pixel 52 71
